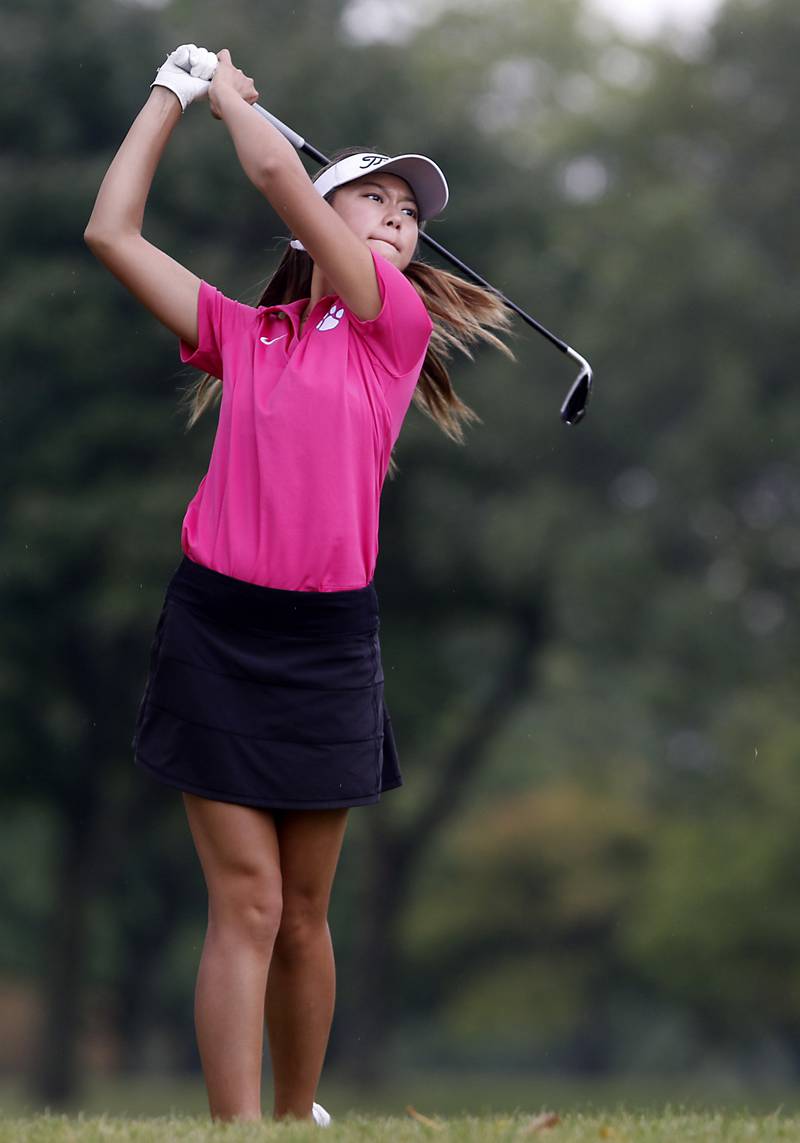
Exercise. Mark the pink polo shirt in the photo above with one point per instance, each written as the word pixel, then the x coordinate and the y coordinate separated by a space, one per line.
pixel 306 426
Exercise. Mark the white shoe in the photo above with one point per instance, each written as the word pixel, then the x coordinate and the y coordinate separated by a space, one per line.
pixel 321 1116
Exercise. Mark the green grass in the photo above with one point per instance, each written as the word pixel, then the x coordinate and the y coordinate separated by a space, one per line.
pixel 432 1093
pixel 459 1107
pixel 668 1126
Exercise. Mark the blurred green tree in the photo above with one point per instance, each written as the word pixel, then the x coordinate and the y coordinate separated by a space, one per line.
pixel 588 631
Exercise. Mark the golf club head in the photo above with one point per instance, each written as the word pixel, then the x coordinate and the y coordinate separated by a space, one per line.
pixel 573 409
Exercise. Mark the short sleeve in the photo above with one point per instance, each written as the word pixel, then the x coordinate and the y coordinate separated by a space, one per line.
pixel 223 325
pixel 398 336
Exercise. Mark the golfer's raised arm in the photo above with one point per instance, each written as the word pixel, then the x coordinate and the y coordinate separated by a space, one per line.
pixel 114 230
pixel 272 164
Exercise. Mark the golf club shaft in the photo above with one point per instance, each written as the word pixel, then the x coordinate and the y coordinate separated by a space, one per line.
pixel 300 143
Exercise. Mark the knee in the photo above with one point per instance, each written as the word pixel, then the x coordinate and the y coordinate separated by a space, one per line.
pixel 251 912
pixel 304 922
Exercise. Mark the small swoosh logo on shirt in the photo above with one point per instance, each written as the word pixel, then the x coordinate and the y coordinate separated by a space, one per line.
pixel 267 341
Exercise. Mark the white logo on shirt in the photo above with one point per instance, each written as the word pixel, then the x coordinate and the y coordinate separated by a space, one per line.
pixel 267 341
pixel 331 319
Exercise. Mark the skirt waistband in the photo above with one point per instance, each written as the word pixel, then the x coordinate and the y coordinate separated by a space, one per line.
pixel 278 609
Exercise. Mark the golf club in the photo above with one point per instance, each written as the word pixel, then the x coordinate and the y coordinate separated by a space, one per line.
pixel 573 408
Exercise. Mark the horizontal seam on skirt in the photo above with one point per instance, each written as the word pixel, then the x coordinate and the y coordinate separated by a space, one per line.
pixel 259 682
pixel 246 586
pixel 226 796
pixel 258 737
pixel 269 631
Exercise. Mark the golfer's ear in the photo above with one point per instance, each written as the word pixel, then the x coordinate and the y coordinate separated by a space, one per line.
pixel 345 260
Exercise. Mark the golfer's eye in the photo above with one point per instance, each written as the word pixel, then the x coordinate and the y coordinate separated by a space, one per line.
pixel 374 194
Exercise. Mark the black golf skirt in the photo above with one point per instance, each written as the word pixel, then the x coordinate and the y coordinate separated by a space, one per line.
pixel 266 697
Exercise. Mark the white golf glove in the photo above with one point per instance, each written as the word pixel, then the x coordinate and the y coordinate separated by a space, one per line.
pixel 187 72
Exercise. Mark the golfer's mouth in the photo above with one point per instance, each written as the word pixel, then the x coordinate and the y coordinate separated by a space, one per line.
pixel 386 242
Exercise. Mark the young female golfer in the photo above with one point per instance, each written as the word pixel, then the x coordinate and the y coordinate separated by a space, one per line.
pixel 264 698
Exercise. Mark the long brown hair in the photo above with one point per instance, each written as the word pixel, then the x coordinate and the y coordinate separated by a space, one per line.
pixel 458 309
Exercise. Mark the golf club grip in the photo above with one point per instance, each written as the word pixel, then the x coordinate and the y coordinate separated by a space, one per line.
pixel 296 140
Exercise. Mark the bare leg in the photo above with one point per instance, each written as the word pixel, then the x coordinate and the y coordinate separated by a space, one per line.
pixel 302 981
pixel 238 851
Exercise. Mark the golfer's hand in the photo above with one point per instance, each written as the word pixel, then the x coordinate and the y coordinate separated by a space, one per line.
pixel 187 73
pixel 229 78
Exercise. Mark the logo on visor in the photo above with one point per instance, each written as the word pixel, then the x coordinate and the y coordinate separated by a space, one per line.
pixel 370 161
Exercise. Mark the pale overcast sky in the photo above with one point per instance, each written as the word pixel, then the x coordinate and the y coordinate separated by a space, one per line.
pixel 367 20
pixel 644 17
pixel 394 19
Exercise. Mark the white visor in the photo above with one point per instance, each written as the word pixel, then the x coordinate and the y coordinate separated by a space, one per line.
pixel 428 184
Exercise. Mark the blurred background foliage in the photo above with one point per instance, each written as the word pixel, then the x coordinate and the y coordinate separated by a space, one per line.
pixel 590 635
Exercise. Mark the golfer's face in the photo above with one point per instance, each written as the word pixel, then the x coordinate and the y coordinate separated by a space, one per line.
pixel 382 210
